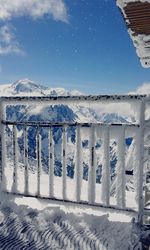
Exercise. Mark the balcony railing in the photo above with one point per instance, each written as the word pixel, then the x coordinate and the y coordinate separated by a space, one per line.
pixel 105 131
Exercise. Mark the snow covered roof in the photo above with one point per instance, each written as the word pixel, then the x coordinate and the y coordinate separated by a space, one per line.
pixel 137 17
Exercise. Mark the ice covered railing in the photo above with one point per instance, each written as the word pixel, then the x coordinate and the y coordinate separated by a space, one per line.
pixel 105 131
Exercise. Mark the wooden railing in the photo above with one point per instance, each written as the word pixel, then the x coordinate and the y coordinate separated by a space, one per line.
pixel 119 131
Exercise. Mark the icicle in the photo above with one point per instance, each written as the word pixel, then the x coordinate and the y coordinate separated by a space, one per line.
pixel 15 156
pixel 64 162
pixel 79 168
pixel 38 162
pixel 120 168
pixel 51 163
pixel 92 167
pixel 106 168
pixel 26 187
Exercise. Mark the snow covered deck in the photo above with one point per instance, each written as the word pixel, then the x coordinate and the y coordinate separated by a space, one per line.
pixel 30 223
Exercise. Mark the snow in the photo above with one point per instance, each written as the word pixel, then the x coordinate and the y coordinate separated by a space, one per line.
pixel 51 225
pixel 120 168
pixel 123 3
pixel 108 229
pixel 140 40
pixel 64 162
pixel 78 164
pixel 58 190
pixel 51 162
pixel 89 226
pixel 106 167
pixel 15 158
pixel 26 186
pixel 27 87
pixel 92 167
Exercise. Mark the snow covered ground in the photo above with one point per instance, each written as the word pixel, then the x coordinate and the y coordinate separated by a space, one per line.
pixel 31 223
pixel 71 186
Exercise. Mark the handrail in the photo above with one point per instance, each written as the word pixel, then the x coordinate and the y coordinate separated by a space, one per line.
pixel 70 124
pixel 118 98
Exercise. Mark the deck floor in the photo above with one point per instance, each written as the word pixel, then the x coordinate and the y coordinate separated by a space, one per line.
pixel 29 223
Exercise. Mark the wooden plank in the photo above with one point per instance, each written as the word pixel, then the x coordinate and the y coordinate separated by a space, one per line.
pixel 106 168
pixel 120 168
pixel 79 165
pixel 26 190
pixel 15 159
pixel 92 167
pixel 38 162
pixel 64 162
pixel 3 146
pixel 51 163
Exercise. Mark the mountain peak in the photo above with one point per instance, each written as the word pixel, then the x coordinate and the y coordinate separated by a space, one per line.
pixel 27 86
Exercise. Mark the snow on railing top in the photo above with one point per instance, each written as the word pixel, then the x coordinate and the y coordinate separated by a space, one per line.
pixel 70 124
pixel 103 98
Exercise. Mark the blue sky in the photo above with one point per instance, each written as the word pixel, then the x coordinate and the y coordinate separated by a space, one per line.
pixel 78 44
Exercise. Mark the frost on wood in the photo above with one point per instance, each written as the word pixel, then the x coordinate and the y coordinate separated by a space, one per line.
pixel 79 167
pixel 92 167
pixel 51 163
pixel 15 160
pixel 38 162
pixel 3 156
pixel 26 187
pixel 106 168
pixel 3 148
pixel 64 162
pixel 137 164
pixel 120 168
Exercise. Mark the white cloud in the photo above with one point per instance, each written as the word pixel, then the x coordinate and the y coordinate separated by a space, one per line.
pixel 8 42
pixel 143 89
pixel 34 8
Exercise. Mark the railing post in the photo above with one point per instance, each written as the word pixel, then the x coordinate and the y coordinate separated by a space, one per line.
pixel 26 189
pixel 3 146
pixel 78 168
pixel 139 163
pixel 38 162
pixel 51 163
pixel 106 167
pixel 64 162
pixel 15 159
pixel 120 168
pixel 92 168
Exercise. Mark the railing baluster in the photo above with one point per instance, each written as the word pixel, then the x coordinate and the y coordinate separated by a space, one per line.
pixel 3 145
pixel 139 163
pixel 64 162
pixel 38 162
pixel 26 187
pixel 15 159
pixel 79 167
pixel 92 167
pixel 120 168
pixel 105 195
pixel 51 163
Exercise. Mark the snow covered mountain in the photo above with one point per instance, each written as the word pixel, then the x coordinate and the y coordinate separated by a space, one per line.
pixel 82 113
pixel 27 87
